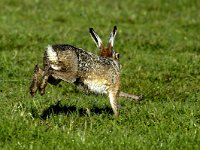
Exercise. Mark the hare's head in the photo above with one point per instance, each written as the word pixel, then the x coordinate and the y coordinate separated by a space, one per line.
pixel 109 51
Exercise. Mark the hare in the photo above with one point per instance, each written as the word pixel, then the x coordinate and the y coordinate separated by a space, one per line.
pixel 75 65
pixel 110 53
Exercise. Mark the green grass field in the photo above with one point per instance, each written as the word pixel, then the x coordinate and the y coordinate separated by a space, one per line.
pixel 159 44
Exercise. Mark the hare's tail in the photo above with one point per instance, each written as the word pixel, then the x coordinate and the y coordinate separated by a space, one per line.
pixel 52 57
pixel 51 54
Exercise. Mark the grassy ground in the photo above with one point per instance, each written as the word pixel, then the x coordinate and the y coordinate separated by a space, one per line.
pixel 159 43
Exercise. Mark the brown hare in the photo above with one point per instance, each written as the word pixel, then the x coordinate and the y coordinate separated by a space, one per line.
pixel 98 74
pixel 75 65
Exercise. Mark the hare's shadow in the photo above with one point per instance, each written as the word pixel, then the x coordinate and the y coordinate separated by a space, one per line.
pixel 57 108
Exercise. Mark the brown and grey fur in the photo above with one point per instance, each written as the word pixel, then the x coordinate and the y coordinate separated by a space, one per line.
pixel 75 65
pixel 99 74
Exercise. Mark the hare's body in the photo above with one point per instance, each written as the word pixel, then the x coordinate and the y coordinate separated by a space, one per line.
pixel 75 65
pixel 99 74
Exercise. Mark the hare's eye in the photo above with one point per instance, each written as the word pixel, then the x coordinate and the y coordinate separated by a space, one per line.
pixel 117 55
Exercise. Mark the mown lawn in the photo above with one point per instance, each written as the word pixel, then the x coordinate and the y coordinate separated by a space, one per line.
pixel 159 43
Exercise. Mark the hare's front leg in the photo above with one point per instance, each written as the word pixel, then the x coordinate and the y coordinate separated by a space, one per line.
pixel 37 74
pixel 113 101
pixel 130 96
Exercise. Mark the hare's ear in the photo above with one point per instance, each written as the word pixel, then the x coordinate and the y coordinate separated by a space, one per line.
pixel 96 38
pixel 112 38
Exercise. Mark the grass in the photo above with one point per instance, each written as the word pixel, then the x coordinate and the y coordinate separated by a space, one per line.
pixel 160 54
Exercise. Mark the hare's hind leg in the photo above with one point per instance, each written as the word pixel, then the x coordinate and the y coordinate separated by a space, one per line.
pixel 113 101
pixel 37 74
pixel 44 81
pixel 54 77
pixel 40 79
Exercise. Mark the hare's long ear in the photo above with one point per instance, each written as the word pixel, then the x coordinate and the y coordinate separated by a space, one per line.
pixel 112 38
pixel 96 38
